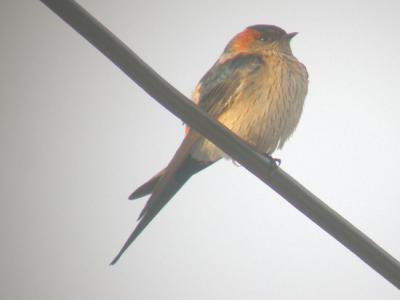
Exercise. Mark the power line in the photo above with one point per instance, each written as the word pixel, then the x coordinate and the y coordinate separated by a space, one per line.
pixel 263 167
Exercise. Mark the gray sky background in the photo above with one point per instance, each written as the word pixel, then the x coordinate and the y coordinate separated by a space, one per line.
pixel 77 136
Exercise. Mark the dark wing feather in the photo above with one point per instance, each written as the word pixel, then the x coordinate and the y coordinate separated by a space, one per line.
pixel 221 82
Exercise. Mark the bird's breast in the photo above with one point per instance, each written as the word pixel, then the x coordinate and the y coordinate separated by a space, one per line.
pixel 265 107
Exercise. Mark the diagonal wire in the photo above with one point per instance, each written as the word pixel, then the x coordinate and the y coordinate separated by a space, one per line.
pixel 264 168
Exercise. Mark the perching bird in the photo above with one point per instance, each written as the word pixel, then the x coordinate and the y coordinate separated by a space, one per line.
pixel 256 89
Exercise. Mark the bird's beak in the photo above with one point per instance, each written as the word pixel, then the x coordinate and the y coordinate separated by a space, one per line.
pixel 289 36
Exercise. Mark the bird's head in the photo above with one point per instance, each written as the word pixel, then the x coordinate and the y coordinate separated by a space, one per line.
pixel 260 38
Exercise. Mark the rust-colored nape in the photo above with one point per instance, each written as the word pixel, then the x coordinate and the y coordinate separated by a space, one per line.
pixel 243 40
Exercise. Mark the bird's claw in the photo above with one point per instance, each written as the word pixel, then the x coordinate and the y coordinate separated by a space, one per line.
pixel 276 161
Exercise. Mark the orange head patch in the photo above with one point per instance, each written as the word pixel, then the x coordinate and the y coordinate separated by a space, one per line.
pixel 243 41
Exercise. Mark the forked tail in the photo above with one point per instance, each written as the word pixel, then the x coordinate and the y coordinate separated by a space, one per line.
pixel 164 185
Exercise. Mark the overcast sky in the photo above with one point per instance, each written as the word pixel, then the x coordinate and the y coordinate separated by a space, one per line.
pixel 77 137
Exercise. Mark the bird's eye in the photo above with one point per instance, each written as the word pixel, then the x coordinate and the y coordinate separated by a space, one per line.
pixel 263 38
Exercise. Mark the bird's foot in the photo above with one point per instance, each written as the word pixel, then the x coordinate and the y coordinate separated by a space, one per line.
pixel 277 161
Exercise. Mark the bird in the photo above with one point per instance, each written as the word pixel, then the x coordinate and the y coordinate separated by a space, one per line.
pixel 257 89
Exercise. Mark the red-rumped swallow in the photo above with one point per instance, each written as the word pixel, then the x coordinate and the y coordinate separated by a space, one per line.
pixel 256 89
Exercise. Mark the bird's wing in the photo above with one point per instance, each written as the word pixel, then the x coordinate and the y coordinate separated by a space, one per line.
pixel 222 82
